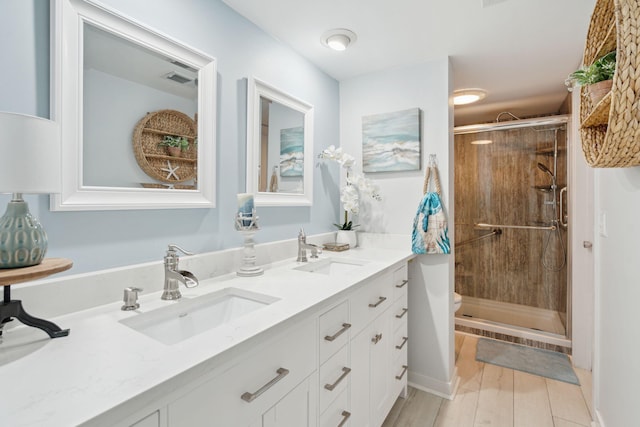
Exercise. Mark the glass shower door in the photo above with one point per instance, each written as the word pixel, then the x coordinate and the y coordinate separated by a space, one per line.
pixel 510 254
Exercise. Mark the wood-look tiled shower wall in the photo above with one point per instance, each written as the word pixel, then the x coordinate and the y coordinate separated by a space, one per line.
pixel 500 183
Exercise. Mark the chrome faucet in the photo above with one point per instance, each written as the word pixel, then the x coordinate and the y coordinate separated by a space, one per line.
pixel 303 246
pixel 174 276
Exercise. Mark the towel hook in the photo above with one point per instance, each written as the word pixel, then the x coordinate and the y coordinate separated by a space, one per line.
pixel 433 160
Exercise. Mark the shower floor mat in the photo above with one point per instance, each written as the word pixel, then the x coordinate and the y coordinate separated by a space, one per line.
pixel 544 363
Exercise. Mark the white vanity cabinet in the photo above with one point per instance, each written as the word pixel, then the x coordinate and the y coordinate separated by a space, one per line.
pixel 269 385
pixel 322 343
pixel 376 381
pixel 342 365
pixel 363 352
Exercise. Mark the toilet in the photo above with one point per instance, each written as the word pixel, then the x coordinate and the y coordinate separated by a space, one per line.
pixel 457 301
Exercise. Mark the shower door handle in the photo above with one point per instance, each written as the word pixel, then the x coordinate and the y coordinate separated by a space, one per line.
pixel 563 219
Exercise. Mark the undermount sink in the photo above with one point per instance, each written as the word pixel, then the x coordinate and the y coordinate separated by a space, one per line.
pixel 188 317
pixel 332 266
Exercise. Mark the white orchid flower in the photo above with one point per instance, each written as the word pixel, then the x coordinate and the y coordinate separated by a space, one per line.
pixel 347 161
pixel 331 153
pixel 356 184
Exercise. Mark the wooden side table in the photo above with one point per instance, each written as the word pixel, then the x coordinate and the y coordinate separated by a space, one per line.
pixel 13 308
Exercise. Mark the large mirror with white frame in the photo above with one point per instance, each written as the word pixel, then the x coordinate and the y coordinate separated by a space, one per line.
pixel 123 94
pixel 279 147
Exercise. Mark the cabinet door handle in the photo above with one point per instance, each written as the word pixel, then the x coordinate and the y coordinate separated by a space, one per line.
pixel 376 338
pixel 404 371
pixel 400 285
pixel 380 301
pixel 345 372
pixel 345 417
pixel 250 397
pixel 401 315
pixel 345 326
pixel 404 341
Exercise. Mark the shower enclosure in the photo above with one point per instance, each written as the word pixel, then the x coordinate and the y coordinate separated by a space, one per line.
pixel 511 231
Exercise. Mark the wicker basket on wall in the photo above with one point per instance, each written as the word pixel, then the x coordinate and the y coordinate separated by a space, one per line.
pixel 153 158
pixel 611 129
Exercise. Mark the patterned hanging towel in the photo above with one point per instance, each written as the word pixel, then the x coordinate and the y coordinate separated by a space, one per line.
pixel 430 232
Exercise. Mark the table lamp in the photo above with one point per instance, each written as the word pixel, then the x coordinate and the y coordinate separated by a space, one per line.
pixel 29 163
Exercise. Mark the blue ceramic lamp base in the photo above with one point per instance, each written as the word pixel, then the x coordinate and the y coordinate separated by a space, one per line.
pixel 23 241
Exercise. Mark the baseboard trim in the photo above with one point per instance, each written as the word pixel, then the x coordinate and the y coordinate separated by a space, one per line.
pixel 598 420
pixel 443 389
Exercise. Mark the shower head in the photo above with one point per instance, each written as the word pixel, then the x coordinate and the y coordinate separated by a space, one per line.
pixel 545 169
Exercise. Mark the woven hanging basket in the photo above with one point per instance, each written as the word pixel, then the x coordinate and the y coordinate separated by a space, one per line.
pixel 611 128
pixel 153 158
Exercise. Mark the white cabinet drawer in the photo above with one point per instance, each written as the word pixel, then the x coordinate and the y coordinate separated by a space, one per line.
pixel 400 342
pixel 399 313
pixel 400 282
pixel 400 372
pixel 334 330
pixel 399 351
pixel 370 301
pixel 335 375
pixel 338 414
pixel 255 384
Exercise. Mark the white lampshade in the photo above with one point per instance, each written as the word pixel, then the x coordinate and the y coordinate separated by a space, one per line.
pixel 29 163
pixel 29 154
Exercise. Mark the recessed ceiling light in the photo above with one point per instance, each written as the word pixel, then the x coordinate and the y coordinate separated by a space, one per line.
pixel 339 39
pixel 468 96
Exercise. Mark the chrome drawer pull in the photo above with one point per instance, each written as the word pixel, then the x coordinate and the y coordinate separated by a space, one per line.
pixel 404 370
pixel 250 397
pixel 404 341
pixel 401 285
pixel 345 372
pixel 376 338
pixel 345 326
pixel 401 315
pixel 345 417
pixel 380 301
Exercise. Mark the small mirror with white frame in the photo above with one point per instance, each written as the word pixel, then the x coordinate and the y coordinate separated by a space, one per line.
pixel 111 73
pixel 279 147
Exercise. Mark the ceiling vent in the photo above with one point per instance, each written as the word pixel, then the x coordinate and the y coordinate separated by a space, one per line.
pixel 178 78
pixel 488 3
pixel 185 66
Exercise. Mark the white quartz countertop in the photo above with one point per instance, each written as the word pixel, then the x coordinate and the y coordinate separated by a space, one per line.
pixel 103 364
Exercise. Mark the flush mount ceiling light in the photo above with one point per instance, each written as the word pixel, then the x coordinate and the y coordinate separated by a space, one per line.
pixel 339 39
pixel 468 96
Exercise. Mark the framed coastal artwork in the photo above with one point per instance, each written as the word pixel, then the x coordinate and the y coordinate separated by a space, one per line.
pixel 292 151
pixel 391 141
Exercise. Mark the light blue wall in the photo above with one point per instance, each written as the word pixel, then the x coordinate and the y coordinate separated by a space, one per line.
pixel 104 95
pixel 97 240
